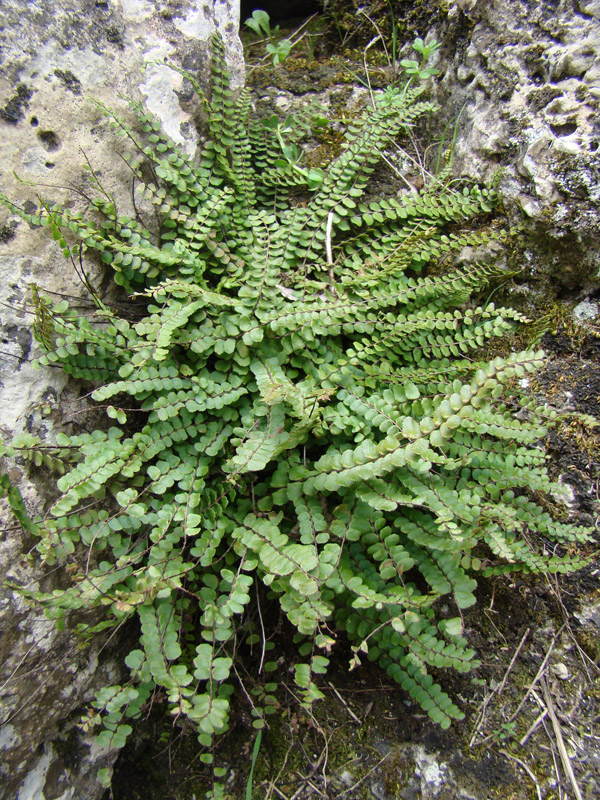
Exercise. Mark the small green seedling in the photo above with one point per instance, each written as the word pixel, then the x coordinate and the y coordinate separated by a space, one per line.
pixel 260 23
pixel 417 70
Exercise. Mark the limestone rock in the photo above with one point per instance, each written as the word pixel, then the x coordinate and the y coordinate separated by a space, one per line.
pixel 528 77
pixel 54 56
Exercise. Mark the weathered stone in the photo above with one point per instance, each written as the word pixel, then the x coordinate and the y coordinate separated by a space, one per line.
pixel 54 56
pixel 585 311
pixel 528 76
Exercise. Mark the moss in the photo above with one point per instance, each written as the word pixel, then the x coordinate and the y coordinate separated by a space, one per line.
pixel 412 18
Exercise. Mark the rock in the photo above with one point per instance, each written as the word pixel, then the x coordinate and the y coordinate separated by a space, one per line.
pixel 527 76
pixel 560 671
pixel 414 771
pixel 55 55
pixel 585 311
pixel 562 491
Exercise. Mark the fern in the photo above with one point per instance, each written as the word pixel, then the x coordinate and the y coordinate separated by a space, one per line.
pixel 316 413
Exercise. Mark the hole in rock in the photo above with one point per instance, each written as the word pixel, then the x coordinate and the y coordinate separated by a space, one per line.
pixel 7 232
pixel 34 122
pixel 564 130
pixel 537 78
pixel 593 145
pixel 49 165
pixel 278 11
pixel 49 139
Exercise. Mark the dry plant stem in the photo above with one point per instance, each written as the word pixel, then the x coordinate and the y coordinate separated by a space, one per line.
pixel 262 628
pixel 425 173
pixel 514 658
pixel 493 624
pixel 533 727
pixel 530 690
pixel 316 789
pixel 399 175
pixel 272 787
pixel 538 675
pixel 564 756
pixel 344 703
pixel 371 43
pixel 497 692
pixel 527 770
pixel 328 239
pixel 552 748
pixel 419 160
pixel 364 777
pixel 586 660
pixel 281 794
pixel 378 29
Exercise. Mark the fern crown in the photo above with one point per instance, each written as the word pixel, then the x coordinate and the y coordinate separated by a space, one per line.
pixel 300 415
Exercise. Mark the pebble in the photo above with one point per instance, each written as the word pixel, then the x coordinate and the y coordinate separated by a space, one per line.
pixel 561 671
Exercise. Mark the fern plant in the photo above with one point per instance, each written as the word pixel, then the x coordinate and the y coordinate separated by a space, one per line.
pixel 300 406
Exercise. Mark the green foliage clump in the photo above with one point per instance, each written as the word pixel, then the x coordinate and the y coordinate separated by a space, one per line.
pixel 301 414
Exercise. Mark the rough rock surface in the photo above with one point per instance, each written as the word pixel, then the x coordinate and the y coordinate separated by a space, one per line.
pixel 53 57
pixel 528 77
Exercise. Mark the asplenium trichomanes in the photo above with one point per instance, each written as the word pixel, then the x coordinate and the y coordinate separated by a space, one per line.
pixel 312 421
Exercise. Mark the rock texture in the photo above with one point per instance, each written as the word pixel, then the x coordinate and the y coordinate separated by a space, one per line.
pixel 54 55
pixel 528 77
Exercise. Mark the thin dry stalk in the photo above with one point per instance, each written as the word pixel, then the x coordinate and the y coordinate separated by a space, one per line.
pixel 586 661
pixel 371 43
pixel 538 676
pixel 527 770
pixel 345 704
pixel 533 727
pixel 364 777
pixel 530 689
pixel 552 748
pixel 498 691
pixel 315 788
pixel 272 787
pixel 564 756
pixel 281 794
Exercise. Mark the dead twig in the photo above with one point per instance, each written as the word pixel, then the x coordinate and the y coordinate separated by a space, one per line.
pixel 364 777
pixel 371 43
pixel 564 756
pixel 315 788
pixel 534 725
pixel 281 794
pixel 345 704
pixel 272 787
pixel 527 770
pixel 538 676
pixel 586 661
pixel 530 688
pixel 498 691
pixel 552 748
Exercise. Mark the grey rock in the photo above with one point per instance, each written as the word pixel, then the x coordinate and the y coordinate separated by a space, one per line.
pixel 414 772
pixel 528 76
pixel 585 310
pixel 54 55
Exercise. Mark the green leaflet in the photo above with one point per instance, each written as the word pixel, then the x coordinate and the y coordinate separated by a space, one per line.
pixel 298 407
pixel 17 506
